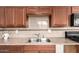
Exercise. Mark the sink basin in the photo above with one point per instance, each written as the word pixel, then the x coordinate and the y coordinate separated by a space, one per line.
pixel 42 40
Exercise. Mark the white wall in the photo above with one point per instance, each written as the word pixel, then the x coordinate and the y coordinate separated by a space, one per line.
pixel 60 48
pixel 38 21
pixel 32 33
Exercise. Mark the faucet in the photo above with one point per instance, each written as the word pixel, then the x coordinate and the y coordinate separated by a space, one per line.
pixel 38 37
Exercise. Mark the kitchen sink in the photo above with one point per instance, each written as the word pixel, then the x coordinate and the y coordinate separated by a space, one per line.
pixel 37 40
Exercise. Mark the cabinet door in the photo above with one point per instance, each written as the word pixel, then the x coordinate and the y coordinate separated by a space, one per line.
pixel 77 48
pixel 32 10
pixel 39 48
pixel 9 17
pixel 70 49
pixel 47 48
pixel 45 10
pixel 75 9
pixel 2 24
pixel 20 17
pixel 11 48
pixel 59 17
pixel 30 49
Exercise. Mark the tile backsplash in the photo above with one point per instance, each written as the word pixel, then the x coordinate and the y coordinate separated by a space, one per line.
pixel 23 34
pixel 38 21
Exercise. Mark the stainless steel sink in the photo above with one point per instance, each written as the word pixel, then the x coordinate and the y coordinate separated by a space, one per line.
pixel 41 40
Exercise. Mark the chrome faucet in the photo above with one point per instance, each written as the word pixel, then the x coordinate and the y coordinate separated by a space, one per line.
pixel 38 37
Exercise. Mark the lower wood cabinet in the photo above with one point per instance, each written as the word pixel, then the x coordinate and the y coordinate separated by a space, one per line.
pixel 77 48
pixel 11 49
pixel 27 48
pixel 39 48
pixel 71 48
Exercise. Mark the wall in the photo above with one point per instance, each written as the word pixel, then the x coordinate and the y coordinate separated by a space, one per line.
pixel 60 48
pixel 56 32
pixel 38 21
pixel 23 34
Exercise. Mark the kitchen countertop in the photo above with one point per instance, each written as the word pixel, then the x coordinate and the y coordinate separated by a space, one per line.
pixel 23 41
pixel 38 29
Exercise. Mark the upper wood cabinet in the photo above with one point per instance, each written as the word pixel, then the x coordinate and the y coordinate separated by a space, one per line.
pixel 15 17
pixel 60 16
pixel 20 17
pixel 75 9
pixel 45 10
pixel 39 10
pixel 9 17
pixel 2 17
pixel 32 10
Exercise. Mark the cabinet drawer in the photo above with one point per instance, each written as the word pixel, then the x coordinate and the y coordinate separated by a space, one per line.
pixel 11 48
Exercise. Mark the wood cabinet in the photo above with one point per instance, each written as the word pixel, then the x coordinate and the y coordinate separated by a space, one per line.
pixel 43 10
pixel 11 49
pixel 77 48
pixel 39 48
pixel 2 17
pixel 20 17
pixel 60 16
pixel 32 10
pixel 70 49
pixel 27 49
pixel 9 17
pixel 75 9
pixel 15 17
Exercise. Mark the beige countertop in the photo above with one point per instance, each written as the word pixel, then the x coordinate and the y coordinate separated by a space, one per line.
pixel 37 29
pixel 23 41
